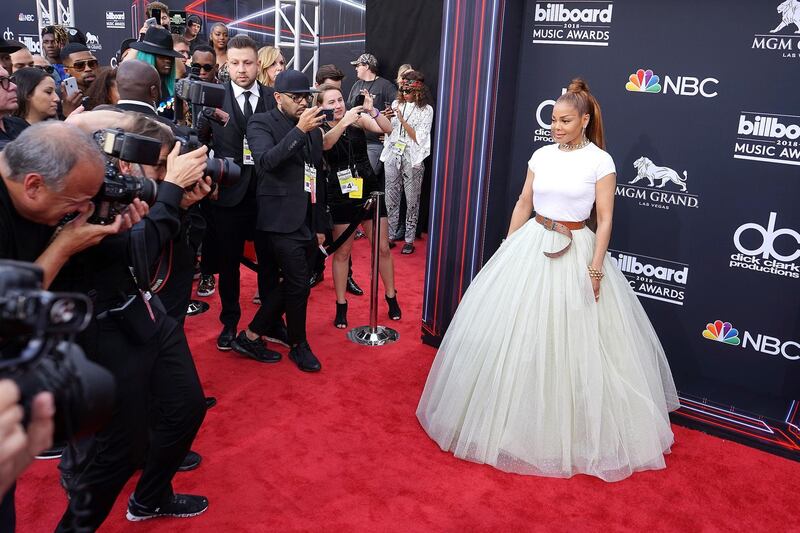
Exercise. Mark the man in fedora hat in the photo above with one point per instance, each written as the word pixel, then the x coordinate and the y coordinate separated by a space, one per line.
pixel 8 47
pixel 292 214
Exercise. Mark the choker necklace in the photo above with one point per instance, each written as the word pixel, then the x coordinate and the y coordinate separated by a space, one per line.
pixel 570 147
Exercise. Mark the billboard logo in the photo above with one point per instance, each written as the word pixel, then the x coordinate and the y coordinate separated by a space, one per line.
pixel 652 194
pixel 652 277
pixel 722 332
pixel 115 19
pixel 24 17
pixel 725 333
pixel 645 81
pixel 768 137
pixel 31 42
pixel 759 249
pixel 582 23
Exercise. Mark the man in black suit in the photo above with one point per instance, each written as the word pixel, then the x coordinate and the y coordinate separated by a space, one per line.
pixel 292 213
pixel 234 210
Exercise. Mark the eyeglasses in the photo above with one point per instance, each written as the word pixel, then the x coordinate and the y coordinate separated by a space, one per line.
pixel 297 98
pixel 47 68
pixel 5 82
pixel 81 65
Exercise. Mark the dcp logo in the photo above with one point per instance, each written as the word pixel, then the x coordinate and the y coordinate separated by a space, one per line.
pixel 768 236
pixel 8 35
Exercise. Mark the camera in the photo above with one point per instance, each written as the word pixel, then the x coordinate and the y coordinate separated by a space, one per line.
pixel 222 171
pixel 200 93
pixel 36 351
pixel 119 190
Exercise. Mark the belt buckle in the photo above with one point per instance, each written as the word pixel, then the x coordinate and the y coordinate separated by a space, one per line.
pixel 551 222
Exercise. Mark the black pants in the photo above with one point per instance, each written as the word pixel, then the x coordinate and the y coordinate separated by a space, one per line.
pixel 233 226
pixel 284 266
pixel 158 375
pixel 209 258
pixel 8 515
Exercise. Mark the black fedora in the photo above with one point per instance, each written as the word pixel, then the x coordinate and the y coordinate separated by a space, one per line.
pixel 157 41
pixel 293 81
pixel 10 46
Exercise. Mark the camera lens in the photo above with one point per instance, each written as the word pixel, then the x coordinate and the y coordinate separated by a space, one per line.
pixel 223 171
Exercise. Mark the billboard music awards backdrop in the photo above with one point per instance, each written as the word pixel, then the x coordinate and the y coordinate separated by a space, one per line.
pixel 107 23
pixel 702 118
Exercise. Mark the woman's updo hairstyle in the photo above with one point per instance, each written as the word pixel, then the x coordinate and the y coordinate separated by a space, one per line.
pixel 580 98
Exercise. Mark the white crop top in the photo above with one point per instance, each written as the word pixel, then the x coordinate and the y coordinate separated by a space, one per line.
pixel 564 182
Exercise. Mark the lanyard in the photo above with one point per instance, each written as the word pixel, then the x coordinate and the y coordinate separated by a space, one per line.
pixel 408 118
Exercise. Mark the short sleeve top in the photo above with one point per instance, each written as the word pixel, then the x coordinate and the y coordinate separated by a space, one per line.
pixel 564 182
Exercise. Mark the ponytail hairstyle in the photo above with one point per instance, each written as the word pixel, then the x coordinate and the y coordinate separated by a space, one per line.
pixel 578 96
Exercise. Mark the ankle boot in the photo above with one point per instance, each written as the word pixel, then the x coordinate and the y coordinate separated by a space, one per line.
pixel 341 316
pixel 394 307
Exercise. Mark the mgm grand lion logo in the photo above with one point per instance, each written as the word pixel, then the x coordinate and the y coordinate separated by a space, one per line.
pixel 646 169
pixel 790 14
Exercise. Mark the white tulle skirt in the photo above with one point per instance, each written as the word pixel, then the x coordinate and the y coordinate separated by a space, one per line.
pixel 535 377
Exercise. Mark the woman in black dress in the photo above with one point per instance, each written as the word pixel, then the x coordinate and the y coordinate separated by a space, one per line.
pixel 350 181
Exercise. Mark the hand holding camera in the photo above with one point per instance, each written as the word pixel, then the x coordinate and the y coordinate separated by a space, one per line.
pixel 79 234
pixel 310 119
pixel 18 447
pixel 200 190
pixel 184 170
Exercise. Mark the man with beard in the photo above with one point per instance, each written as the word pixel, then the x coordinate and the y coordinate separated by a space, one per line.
pixel 79 63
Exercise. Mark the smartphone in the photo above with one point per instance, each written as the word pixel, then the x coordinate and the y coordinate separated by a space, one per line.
pixel 359 100
pixel 327 113
pixel 156 15
pixel 150 22
pixel 71 86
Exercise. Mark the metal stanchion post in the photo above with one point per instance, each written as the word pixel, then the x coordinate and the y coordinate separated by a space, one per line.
pixel 374 335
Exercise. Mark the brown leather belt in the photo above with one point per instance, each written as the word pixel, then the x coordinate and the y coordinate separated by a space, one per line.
pixel 564 228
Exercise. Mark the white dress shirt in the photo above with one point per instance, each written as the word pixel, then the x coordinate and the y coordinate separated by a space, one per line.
pixel 238 93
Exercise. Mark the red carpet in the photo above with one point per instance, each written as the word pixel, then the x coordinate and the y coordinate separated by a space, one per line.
pixel 342 451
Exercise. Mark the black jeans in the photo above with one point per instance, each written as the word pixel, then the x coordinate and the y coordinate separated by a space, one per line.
pixel 232 227
pixel 158 376
pixel 284 266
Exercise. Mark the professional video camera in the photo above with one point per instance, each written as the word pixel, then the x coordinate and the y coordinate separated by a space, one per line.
pixel 37 352
pixel 118 189
pixel 222 171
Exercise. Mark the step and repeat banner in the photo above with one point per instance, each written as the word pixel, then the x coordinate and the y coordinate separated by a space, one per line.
pixel 107 23
pixel 702 115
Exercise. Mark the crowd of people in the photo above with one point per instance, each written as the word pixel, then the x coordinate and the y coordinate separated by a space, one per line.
pixel 309 157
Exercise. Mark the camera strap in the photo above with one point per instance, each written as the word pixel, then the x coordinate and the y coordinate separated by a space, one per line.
pixel 163 269
pixel 139 268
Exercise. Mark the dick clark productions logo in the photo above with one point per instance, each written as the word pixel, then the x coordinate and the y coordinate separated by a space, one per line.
pixel 767 250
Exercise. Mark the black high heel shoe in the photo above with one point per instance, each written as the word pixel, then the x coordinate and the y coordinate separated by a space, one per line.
pixel 341 316
pixel 394 307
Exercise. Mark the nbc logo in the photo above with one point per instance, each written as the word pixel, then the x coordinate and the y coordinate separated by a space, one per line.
pixel 24 17
pixel 645 81
pixel 725 333
pixel 722 332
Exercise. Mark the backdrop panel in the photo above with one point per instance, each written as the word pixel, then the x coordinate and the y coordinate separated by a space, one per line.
pixel 703 126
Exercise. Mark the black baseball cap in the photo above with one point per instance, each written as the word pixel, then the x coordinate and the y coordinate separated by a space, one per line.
pixel 293 81
pixel 8 46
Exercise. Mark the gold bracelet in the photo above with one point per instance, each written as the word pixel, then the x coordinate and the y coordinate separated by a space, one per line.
pixel 594 273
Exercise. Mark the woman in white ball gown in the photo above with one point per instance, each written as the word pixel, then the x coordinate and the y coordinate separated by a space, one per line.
pixel 550 365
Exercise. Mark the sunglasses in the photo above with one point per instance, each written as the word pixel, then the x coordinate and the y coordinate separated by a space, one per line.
pixel 81 65
pixel 5 82
pixel 207 67
pixel 297 98
pixel 407 91
pixel 47 68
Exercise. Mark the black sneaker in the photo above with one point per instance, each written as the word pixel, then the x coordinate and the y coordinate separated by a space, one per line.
pixel 254 349
pixel 278 334
pixel 226 338
pixel 304 358
pixel 190 462
pixel 206 286
pixel 181 506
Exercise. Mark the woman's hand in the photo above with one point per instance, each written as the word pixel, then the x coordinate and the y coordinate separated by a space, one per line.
pixel 352 116
pixel 596 288
pixel 368 101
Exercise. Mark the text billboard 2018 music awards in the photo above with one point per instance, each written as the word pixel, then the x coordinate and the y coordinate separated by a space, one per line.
pixel 703 125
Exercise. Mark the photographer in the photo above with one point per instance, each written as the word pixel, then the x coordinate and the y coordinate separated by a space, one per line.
pixel 147 352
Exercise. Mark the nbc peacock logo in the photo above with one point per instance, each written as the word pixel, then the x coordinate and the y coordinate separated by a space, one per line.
pixel 722 332
pixel 643 81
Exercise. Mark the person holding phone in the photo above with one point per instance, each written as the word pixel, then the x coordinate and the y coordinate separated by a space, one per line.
pixel 350 180
pixel 81 66
pixel 405 151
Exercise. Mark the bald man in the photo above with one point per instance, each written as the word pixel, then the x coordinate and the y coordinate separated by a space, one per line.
pixel 139 87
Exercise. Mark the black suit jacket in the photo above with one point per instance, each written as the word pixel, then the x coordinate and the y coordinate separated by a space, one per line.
pixel 227 141
pixel 145 109
pixel 281 150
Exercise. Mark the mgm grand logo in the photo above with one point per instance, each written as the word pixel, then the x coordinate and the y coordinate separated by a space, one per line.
pixel 783 39
pixel 658 187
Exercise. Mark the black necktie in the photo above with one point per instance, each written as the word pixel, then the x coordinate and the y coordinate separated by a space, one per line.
pixel 248 109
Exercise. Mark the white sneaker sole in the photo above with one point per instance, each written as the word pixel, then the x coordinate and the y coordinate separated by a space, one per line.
pixel 133 518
